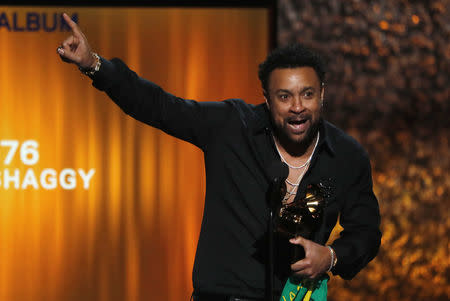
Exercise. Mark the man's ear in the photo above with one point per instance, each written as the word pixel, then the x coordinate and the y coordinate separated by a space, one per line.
pixel 266 98
pixel 322 93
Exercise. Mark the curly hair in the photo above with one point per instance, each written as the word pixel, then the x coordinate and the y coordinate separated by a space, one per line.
pixel 291 56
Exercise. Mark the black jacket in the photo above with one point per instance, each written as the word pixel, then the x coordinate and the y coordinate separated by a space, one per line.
pixel 238 150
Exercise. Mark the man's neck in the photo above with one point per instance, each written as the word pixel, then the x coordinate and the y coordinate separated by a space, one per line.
pixel 296 150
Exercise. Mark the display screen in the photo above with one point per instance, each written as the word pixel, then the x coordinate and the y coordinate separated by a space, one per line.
pixel 95 205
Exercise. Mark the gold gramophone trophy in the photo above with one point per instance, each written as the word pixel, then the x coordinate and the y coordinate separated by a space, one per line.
pixel 302 217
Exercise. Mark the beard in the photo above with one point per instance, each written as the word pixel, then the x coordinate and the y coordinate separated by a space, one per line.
pixel 300 145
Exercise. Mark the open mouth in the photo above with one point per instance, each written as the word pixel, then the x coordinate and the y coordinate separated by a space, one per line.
pixel 298 125
pixel 297 121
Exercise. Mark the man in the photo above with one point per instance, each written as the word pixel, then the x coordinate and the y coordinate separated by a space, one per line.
pixel 241 144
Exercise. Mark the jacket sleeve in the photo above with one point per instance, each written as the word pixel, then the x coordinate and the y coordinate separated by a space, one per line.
pixel 145 101
pixel 360 240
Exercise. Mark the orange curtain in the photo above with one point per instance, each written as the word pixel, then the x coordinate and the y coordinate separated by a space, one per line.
pixel 132 233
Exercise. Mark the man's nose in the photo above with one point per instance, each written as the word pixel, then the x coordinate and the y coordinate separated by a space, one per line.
pixel 297 105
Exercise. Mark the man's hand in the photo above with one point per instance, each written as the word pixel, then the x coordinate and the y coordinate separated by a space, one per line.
pixel 317 258
pixel 75 49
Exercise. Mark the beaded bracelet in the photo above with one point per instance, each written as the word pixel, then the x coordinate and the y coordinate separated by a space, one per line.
pixel 91 71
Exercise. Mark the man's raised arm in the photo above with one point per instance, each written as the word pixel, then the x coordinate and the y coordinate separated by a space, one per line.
pixel 143 100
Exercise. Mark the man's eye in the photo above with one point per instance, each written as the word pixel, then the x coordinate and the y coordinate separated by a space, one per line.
pixel 284 96
pixel 308 94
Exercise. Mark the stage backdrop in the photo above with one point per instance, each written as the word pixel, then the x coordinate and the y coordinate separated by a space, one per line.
pixel 93 204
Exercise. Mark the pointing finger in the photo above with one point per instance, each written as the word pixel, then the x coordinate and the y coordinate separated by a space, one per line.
pixel 72 24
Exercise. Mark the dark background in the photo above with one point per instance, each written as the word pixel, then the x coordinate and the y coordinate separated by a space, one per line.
pixel 388 87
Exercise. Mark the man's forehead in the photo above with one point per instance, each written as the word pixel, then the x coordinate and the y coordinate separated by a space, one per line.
pixel 293 77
